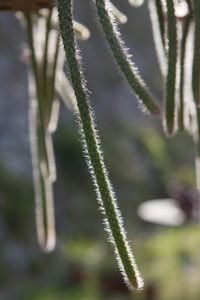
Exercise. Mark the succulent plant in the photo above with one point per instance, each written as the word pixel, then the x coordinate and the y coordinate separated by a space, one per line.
pixel 176 29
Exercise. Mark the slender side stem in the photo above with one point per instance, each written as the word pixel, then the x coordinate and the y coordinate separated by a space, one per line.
pixel 158 33
pixel 196 59
pixel 41 164
pixel 53 76
pixel 161 20
pixel 38 89
pixel 197 162
pixel 170 105
pixel 66 92
pixel 47 222
pixel 45 55
pixel 120 17
pixel 96 165
pixel 122 57
pixel 44 208
pixel 182 72
pixel 81 31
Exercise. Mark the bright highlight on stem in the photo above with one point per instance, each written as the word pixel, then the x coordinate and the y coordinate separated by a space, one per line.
pixel 41 119
pixel 93 154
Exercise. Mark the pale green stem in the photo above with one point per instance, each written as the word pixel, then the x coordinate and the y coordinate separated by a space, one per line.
pixel 51 80
pixel 158 34
pixel 120 17
pixel 41 167
pixel 44 208
pixel 45 74
pixel 38 86
pixel 81 31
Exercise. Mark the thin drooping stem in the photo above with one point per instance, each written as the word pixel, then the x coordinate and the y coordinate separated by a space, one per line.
pixel 92 150
pixel 81 31
pixel 44 207
pixel 157 23
pixel 51 82
pixel 170 101
pixel 182 71
pixel 43 166
pixel 196 58
pixel 45 59
pixel 197 161
pixel 161 19
pixel 29 22
pixel 120 17
pixel 122 57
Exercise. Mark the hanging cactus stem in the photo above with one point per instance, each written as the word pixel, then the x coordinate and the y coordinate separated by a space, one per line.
pixel 182 71
pixel 95 161
pixel 171 80
pixel 196 59
pixel 120 53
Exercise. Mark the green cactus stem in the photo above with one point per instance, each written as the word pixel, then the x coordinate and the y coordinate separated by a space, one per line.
pixel 120 53
pixel 93 153
pixel 171 80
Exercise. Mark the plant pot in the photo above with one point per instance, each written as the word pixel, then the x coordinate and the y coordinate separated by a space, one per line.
pixel 25 5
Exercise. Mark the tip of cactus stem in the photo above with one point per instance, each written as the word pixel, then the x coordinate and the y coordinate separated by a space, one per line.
pixel 153 109
pixel 170 129
pixel 123 19
pixel 157 111
pixel 136 286
pixel 49 245
pixel 81 31
pixel 136 3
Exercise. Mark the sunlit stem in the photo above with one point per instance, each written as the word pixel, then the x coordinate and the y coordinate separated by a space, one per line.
pixel 40 155
pixel 94 156
pixel 39 93
pixel 45 62
pixel 121 55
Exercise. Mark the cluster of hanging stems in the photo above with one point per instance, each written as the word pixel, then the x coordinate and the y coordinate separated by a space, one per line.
pixel 176 30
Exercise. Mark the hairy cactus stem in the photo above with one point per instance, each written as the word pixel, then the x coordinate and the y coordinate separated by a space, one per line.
pixel 122 57
pixel 95 161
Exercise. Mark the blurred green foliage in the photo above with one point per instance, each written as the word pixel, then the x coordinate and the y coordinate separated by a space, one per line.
pixel 169 260
pixel 16 207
